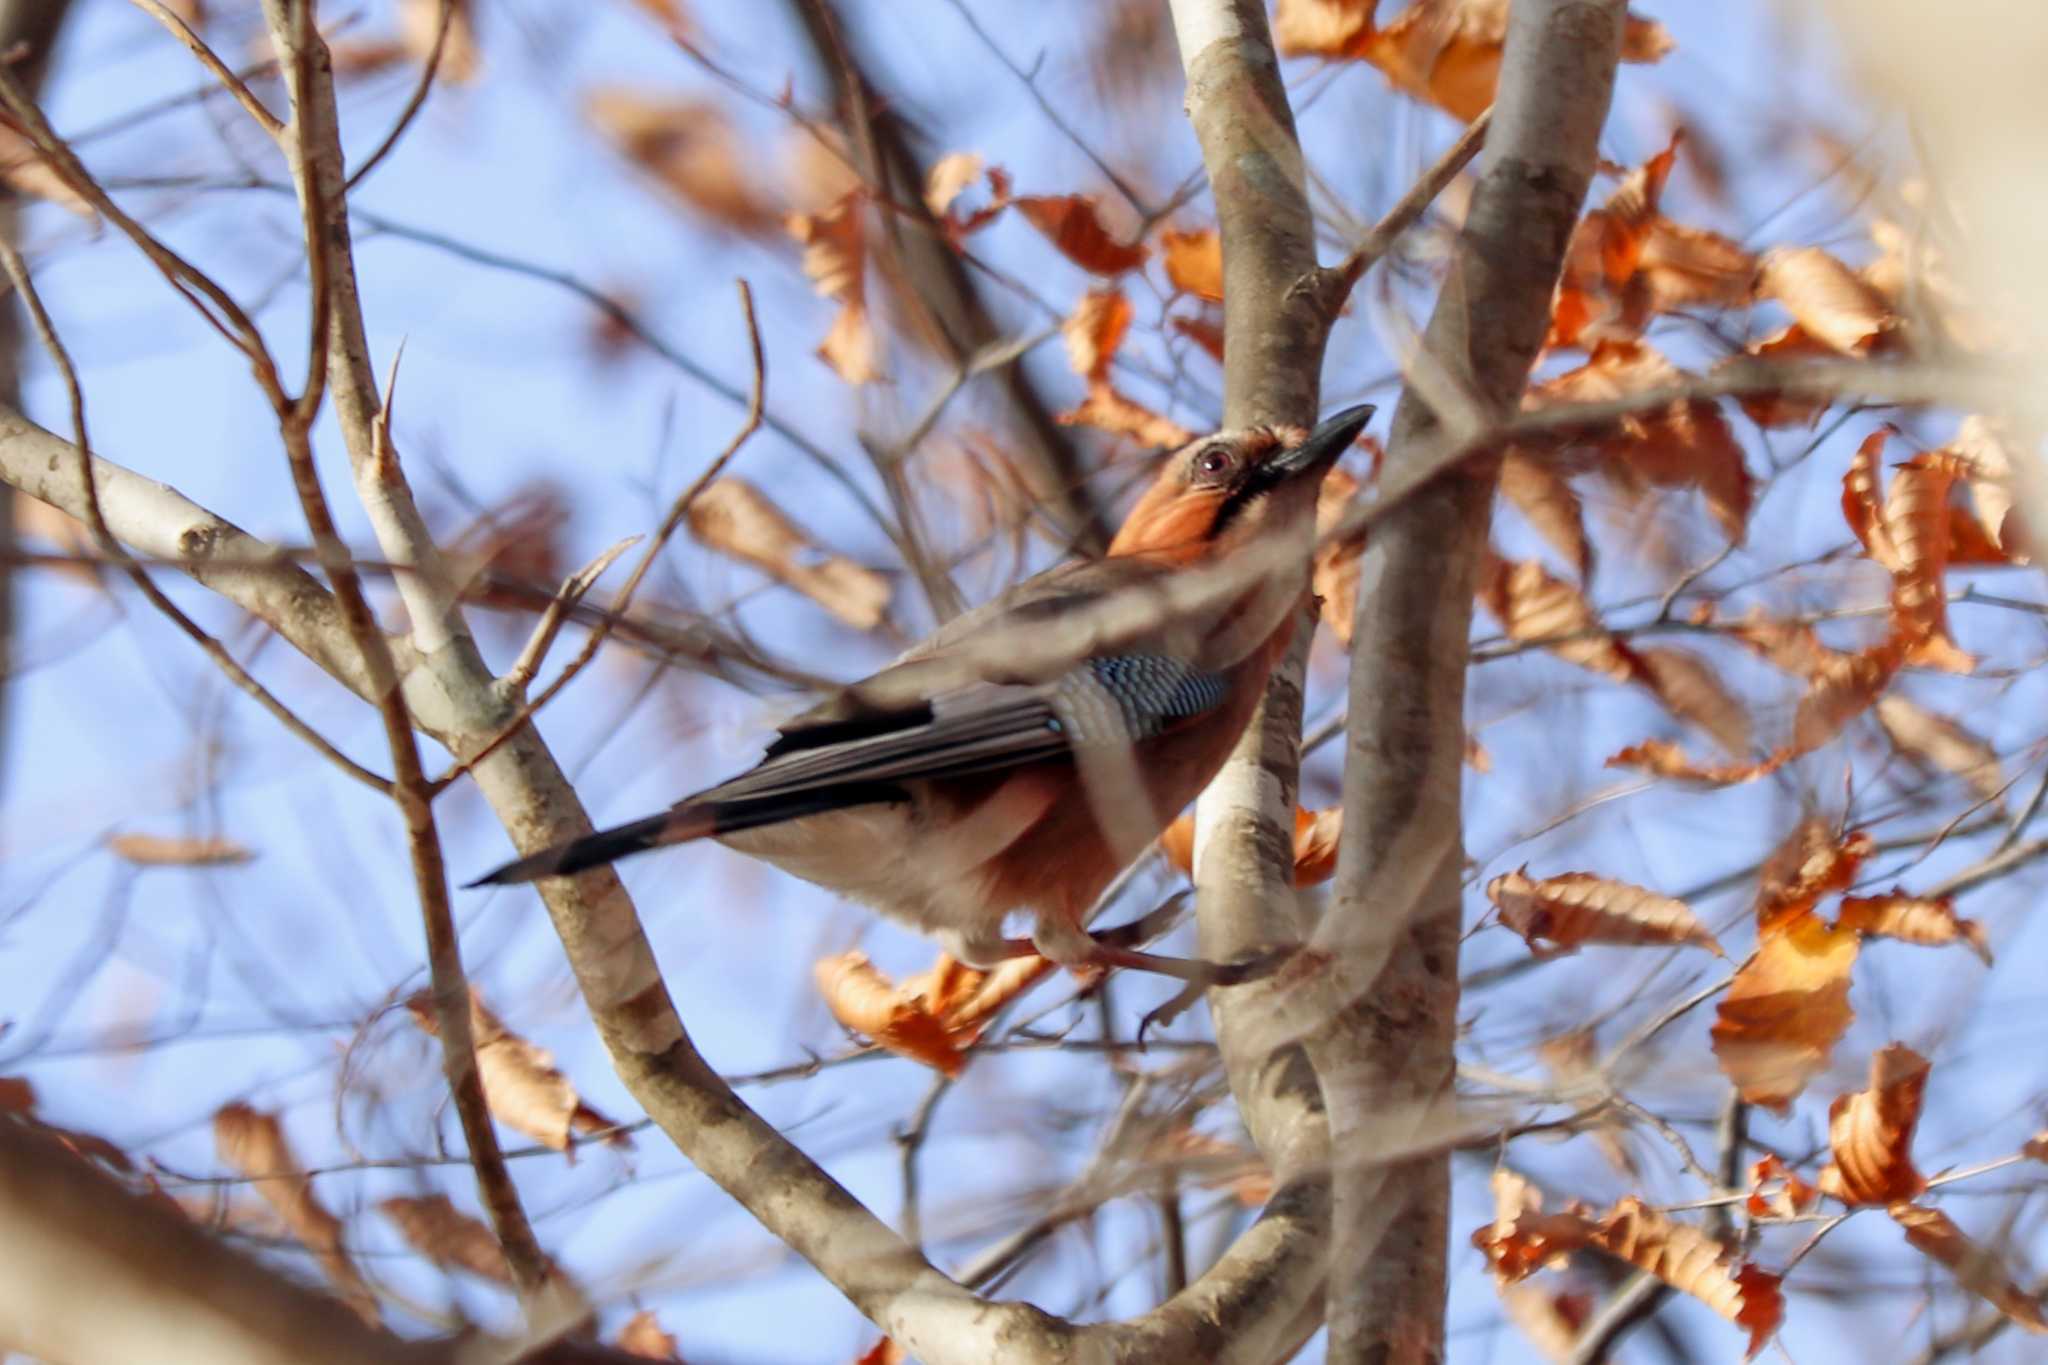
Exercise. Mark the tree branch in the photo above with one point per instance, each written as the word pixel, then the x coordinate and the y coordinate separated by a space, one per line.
pixel 1385 1059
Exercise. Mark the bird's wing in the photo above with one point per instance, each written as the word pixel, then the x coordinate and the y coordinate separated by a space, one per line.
pixel 959 720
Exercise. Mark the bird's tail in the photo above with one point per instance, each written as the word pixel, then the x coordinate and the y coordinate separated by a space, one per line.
pixel 693 819
pixel 676 826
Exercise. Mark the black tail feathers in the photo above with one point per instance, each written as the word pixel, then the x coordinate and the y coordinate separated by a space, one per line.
pixel 669 827
pixel 696 819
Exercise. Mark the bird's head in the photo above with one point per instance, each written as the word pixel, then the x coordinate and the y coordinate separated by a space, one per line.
pixel 1234 487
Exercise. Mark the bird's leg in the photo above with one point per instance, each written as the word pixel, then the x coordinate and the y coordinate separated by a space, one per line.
pixel 1061 938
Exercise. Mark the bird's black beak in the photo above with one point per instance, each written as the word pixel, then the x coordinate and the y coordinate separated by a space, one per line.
pixel 1325 443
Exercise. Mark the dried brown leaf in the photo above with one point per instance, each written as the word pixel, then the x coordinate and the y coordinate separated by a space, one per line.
pixel 1785 1010
pixel 1073 224
pixel 835 260
pixel 691 148
pixel 1683 445
pixel 1316 835
pixel 1204 330
pixel 158 850
pixel 736 518
pixel 1829 300
pixel 1930 921
pixel 523 1088
pixel 1531 604
pixel 1323 28
pixel 1661 758
pixel 1548 503
pixel 1773 408
pixel 1776 1190
pixel 1575 908
pixel 419 21
pixel 1692 1262
pixel 27 172
pixel 948 176
pixel 1109 410
pixel 862 998
pixel 1447 52
pixel 1936 1236
pixel 1094 330
pixel 1844 686
pixel 1692 691
pixel 1810 863
pixel 1334 576
pixel 642 1336
pixel 446 1236
pixel 1870 1133
pixel 253 1144
pixel 1522 1239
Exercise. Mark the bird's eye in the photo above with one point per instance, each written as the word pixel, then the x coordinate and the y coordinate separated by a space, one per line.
pixel 1212 462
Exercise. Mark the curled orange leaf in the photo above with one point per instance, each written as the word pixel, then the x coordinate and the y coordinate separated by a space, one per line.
pixel 1692 1262
pixel 1870 1133
pixel 1578 907
pixel 1929 921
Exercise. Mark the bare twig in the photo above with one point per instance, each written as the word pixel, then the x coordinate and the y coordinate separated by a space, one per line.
pixel 208 58
pixel 414 102
pixel 1331 285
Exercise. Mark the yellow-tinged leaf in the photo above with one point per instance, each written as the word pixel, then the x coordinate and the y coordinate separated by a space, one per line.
pixel 948 176
pixel 157 850
pixel 253 1144
pixel 1574 908
pixel 736 518
pixel 1936 1236
pixel 642 1336
pixel 1830 301
pixel 1785 1011
pixel 1194 262
pixel 1323 28
pixel 1073 224
pixel 1870 1133
pixel 419 24
pixel 1931 922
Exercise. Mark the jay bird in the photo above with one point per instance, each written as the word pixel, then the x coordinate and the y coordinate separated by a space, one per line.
pixel 966 782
